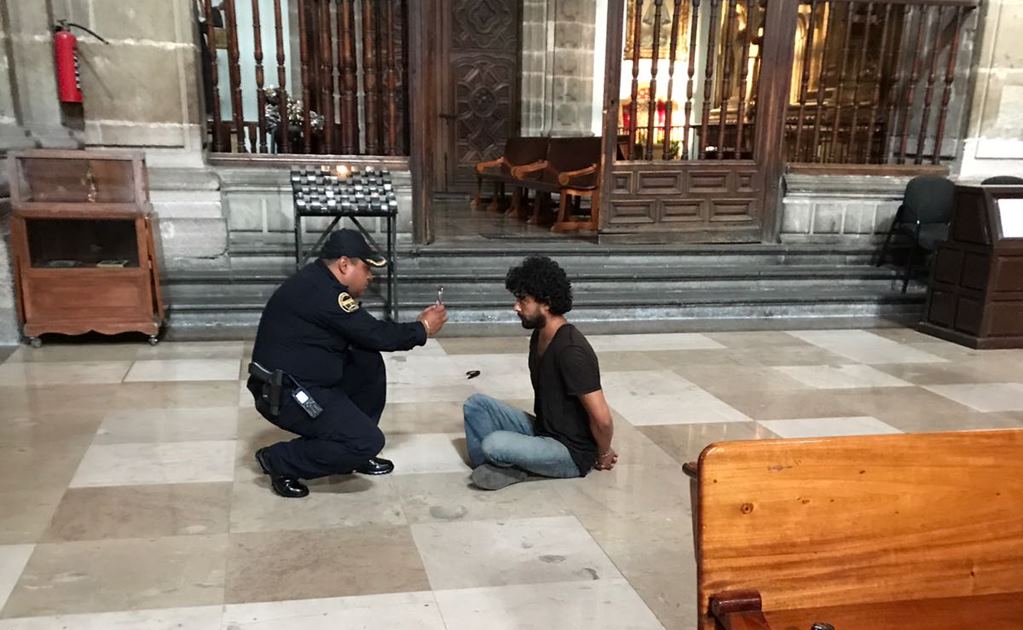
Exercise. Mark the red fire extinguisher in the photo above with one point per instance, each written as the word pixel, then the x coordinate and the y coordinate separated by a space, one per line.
pixel 65 52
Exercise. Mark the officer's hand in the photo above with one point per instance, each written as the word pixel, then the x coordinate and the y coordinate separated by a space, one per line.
pixel 434 317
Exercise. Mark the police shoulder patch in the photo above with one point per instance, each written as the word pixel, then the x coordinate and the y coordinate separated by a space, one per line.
pixel 347 303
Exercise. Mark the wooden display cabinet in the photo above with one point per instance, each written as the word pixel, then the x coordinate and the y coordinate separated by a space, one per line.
pixel 975 296
pixel 82 238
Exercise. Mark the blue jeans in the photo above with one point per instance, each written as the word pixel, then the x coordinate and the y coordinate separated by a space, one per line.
pixel 504 436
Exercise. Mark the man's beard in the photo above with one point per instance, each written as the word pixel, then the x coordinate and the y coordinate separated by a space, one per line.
pixel 535 322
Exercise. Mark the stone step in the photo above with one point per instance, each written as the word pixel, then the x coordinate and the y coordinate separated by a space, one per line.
pixel 236 314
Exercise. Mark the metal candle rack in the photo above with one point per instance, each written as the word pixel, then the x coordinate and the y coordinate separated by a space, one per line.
pixel 342 192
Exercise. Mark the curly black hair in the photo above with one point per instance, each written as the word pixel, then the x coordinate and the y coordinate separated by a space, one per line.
pixel 542 279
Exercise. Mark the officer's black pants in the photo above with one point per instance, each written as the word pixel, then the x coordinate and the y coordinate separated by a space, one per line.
pixel 345 435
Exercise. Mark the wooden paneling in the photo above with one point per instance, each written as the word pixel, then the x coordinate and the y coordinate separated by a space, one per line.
pixel 861 520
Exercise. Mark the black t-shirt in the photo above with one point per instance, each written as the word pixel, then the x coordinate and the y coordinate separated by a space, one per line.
pixel 567 370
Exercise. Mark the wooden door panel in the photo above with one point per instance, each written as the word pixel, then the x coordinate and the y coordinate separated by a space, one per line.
pixel 481 102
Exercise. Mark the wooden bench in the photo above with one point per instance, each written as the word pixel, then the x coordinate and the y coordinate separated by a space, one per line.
pixel 890 531
pixel 571 169
pixel 517 152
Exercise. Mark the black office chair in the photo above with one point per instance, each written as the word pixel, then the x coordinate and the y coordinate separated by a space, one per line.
pixel 924 215
pixel 1003 180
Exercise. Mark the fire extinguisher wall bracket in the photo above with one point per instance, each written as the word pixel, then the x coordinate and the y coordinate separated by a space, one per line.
pixel 65 53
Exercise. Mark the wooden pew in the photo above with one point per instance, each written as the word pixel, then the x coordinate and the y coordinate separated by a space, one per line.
pixel 918 531
pixel 571 169
pixel 517 152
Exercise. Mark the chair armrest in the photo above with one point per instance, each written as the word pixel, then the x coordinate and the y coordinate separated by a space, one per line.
pixel 519 171
pixel 565 178
pixel 691 469
pixel 482 166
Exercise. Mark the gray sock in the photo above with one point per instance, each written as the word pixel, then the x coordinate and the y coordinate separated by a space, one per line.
pixel 490 477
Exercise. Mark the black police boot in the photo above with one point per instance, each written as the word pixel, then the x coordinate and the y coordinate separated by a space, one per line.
pixel 288 487
pixel 376 466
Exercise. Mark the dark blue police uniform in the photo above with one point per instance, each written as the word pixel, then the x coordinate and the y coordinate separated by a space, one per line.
pixel 321 338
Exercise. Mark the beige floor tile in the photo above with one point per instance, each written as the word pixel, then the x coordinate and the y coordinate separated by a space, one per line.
pixel 112 575
pixel 46 466
pixel 799 354
pixel 397 610
pixel 76 352
pixel 652 341
pixel 190 618
pixel 44 430
pixel 745 340
pixel 489 345
pixel 967 421
pixel 333 502
pixel 56 400
pixel 733 379
pixel 156 463
pixel 13 559
pixel 27 512
pixel 627 490
pixel 163 370
pixel 518 551
pixel 141 512
pixel 400 393
pixel 167 395
pixel 882 403
pixel 21 374
pixel 179 424
pixel 841 376
pixel 284 565
pixel 685 442
pixel 953 373
pixel 450 497
pixel 600 604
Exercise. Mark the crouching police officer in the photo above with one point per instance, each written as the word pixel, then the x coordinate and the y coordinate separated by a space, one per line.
pixel 317 371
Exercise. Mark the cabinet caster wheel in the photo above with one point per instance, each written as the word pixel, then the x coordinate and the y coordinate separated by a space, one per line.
pixel 153 340
pixel 35 342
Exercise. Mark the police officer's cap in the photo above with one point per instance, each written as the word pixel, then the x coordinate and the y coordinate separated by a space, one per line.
pixel 351 244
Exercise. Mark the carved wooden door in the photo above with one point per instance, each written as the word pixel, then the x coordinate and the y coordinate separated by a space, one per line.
pixel 480 96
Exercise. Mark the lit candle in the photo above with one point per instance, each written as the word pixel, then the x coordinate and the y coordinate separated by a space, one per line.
pixel 342 171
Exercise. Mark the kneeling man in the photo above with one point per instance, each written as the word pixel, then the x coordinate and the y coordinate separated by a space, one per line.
pixel 571 430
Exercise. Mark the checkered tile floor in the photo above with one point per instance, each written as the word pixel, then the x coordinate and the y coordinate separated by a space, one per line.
pixel 130 498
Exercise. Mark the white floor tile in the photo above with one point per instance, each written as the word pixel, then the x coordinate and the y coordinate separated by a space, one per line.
pixel 865 347
pixel 197 618
pixel 828 427
pixel 596 604
pixel 984 396
pixel 12 562
pixel 180 424
pixel 139 464
pixel 417 611
pixel 426 453
pixel 520 551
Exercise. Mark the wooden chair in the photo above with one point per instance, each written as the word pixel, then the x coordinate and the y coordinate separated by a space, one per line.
pixel 571 169
pixel 888 531
pixel 517 152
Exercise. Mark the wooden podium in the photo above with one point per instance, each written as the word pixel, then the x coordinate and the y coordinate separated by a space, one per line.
pixel 82 242
pixel 975 297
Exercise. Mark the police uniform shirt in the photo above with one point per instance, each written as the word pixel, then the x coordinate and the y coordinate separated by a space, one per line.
pixel 311 320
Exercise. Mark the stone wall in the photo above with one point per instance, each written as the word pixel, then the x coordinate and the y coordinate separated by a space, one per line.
pixel 994 144
pixel 557 67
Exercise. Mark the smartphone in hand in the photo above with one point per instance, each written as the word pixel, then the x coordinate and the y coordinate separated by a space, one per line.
pixel 440 296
